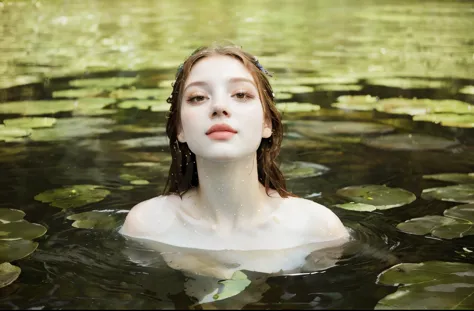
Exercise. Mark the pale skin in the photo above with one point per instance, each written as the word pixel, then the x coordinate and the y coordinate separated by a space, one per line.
pixel 230 210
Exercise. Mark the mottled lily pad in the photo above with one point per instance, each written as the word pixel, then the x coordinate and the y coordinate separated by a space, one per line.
pixel 356 102
pixel 30 123
pixel 21 229
pixel 39 107
pixel 457 222
pixel 16 249
pixel 314 80
pixel 10 214
pixel 453 177
pixel 408 83
pixel 297 107
pixel 12 133
pixel 133 128
pixel 448 119
pixel 67 128
pixel 428 285
pixel 382 197
pixel 233 286
pixel 145 104
pixel 299 169
pixel 106 220
pixel 338 87
pixel 282 96
pixel 77 93
pixel 358 207
pixel 293 89
pixel 139 182
pixel 73 196
pixel 152 141
pixel 314 128
pixel 410 142
pixel 140 94
pixel 8 274
pixel 468 89
pixel 459 193
pixel 105 83
pixel 416 107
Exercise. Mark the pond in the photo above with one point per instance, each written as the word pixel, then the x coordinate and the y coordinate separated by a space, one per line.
pixel 377 99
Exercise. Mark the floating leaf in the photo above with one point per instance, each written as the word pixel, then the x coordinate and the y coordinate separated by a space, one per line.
pixel 283 96
pixel 9 133
pixel 8 274
pixel 16 249
pixel 126 188
pixel 359 207
pixel 453 177
pixel 429 285
pixel 382 197
pixel 132 128
pixel 459 193
pixel 145 104
pixel 297 107
pixel 73 196
pixel 232 287
pixel 139 182
pixel 95 112
pixel 409 142
pixel 10 214
pixel 293 89
pixel 448 119
pixel 299 169
pixel 77 93
pixel 338 87
pixel 103 82
pixel 314 80
pixel 105 220
pixel 356 102
pixel 457 222
pixel 21 229
pixel 314 129
pixel 140 93
pixel 468 89
pixel 39 107
pixel 30 123
pixel 152 141
pixel 416 106
pixel 408 83
pixel 67 128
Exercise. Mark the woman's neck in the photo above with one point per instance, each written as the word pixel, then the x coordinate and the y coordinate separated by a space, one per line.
pixel 229 194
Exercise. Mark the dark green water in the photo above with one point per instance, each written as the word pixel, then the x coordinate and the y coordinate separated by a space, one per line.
pixel 46 45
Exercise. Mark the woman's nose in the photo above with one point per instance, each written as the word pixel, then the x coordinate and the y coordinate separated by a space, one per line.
pixel 220 107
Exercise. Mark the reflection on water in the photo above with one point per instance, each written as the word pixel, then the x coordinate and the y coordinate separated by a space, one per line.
pixel 387 49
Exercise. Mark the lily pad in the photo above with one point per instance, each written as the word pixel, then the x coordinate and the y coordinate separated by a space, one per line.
pixel 299 169
pixel 429 285
pixel 382 197
pixel 132 128
pixel 152 141
pixel 11 133
pixel 356 102
pixel 293 89
pixel 21 229
pixel 416 107
pixel 139 182
pixel 67 128
pixel 77 93
pixel 73 196
pixel 145 104
pixel 297 107
pixel 410 83
pixel 338 87
pixel 106 220
pixel 105 83
pixel 8 274
pixel 453 177
pixel 424 225
pixel 448 119
pixel 283 96
pixel 10 214
pixel 409 142
pixel 459 193
pixel 314 128
pixel 468 89
pixel 16 249
pixel 30 123
pixel 40 107
pixel 359 207
pixel 232 287
pixel 140 94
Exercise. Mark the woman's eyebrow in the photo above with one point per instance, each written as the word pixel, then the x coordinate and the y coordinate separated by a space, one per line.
pixel 235 80
pixel 230 80
pixel 195 83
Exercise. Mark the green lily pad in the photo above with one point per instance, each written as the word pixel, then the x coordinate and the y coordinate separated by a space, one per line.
pixel 68 128
pixel 21 229
pixel 468 89
pixel 453 177
pixel 415 107
pixel 448 119
pixel 166 84
pixel 73 196
pixel 409 142
pixel 39 107
pixel 11 133
pixel 283 96
pixel 382 197
pixel 10 214
pixel 356 102
pixel 105 83
pixel 132 128
pixel 297 107
pixel 299 169
pixel 410 83
pixel 338 87
pixel 145 104
pixel 424 225
pixel 106 220
pixel 314 129
pixel 428 285
pixel 139 182
pixel 233 286
pixel 152 141
pixel 126 188
pixel 140 94
pixel 77 93
pixel 16 249
pixel 142 164
pixel 460 193
pixel 293 89
pixel 95 112
pixel 30 123
pixel 359 207
pixel 8 274
pixel 314 80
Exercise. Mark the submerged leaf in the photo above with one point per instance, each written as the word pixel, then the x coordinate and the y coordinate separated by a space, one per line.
pixel 73 196
pixel 409 142
pixel 16 249
pixel 300 169
pixel 382 197
pixel 8 274
pixel 105 220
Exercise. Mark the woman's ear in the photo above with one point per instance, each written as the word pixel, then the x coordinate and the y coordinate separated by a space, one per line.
pixel 181 137
pixel 267 130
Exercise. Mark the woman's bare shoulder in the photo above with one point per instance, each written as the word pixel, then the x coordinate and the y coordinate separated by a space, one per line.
pixel 151 217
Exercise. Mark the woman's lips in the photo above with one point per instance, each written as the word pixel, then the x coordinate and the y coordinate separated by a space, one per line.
pixel 220 132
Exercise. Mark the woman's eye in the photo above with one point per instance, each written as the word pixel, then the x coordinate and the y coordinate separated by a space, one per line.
pixel 242 95
pixel 196 99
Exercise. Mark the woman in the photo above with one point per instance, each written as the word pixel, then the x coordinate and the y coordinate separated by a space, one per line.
pixel 224 190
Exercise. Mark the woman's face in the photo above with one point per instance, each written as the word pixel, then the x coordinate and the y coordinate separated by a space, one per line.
pixel 221 91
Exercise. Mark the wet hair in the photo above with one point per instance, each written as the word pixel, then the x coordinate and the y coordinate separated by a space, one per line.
pixel 183 173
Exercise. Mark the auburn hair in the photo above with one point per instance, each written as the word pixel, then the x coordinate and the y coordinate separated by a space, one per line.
pixel 183 173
